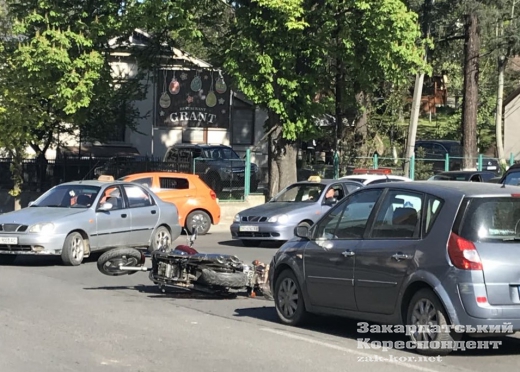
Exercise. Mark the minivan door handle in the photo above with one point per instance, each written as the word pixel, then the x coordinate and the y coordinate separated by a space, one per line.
pixel 348 253
pixel 401 256
pixel 154 211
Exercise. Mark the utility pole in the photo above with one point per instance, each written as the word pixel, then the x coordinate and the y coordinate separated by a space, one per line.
pixel 471 77
pixel 417 94
pixel 498 116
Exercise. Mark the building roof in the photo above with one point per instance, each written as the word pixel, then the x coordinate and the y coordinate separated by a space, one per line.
pixel 140 39
pixel 515 93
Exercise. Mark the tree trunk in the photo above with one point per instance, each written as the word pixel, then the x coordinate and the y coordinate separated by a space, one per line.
pixel 282 159
pixel 500 99
pixel 17 178
pixel 470 104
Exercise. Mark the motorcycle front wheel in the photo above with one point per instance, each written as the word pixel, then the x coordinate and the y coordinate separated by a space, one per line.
pixel 109 262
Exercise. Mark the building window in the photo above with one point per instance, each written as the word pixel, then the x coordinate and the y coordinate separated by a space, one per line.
pixel 242 123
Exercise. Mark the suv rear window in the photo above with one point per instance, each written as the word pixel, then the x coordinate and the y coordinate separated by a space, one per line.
pixel 491 219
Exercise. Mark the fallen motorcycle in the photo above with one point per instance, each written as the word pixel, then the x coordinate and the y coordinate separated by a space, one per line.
pixel 185 268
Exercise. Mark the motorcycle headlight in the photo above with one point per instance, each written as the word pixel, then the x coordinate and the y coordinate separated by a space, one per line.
pixel 237 217
pixel 282 218
pixel 42 228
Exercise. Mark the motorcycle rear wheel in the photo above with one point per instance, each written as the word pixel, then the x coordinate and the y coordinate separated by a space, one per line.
pixel 108 263
pixel 222 279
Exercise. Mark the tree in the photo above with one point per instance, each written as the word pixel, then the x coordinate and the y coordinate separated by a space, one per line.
pixel 301 59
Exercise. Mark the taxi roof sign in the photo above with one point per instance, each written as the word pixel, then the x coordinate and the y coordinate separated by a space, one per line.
pixel 106 178
pixel 314 179
pixel 372 171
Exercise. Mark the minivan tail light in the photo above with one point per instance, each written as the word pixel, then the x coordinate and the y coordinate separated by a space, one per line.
pixel 213 195
pixel 463 253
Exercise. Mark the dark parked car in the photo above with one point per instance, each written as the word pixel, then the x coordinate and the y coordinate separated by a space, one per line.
pixel 471 176
pixel 512 176
pixel 410 254
pixel 219 166
pixel 435 153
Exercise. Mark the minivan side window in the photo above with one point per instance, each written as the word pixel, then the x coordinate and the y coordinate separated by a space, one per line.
pixel 432 208
pixel 399 216
pixel 349 219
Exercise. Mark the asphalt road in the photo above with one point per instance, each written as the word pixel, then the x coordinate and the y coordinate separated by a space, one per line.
pixel 55 318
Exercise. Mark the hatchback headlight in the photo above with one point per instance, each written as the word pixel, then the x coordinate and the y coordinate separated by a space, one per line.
pixel 282 218
pixel 237 217
pixel 42 228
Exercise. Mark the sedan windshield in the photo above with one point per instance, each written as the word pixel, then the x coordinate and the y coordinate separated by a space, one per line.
pixel 300 193
pixel 68 196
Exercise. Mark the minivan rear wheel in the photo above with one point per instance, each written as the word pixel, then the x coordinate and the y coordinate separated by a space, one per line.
pixel 425 309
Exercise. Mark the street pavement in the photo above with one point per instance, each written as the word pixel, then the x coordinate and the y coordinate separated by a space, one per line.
pixel 57 318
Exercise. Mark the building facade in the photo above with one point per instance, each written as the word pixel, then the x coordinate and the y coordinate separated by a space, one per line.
pixel 512 124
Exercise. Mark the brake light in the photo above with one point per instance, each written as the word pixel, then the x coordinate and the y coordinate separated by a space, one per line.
pixel 463 253
pixel 213 195
pixel 515 195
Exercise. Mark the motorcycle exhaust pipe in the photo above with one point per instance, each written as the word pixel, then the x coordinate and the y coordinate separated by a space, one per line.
pixel 133 268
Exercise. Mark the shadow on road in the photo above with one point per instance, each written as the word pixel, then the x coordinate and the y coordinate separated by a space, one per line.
pixel 42 261
pixel 154 292
pixel 348 328
pixel 264 244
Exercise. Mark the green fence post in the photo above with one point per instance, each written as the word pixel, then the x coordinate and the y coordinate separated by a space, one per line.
pixel 412 167
pixel 511 159
pixel 447 162
pixel 247 175
pixel 480 161
pixel 375 161
pixel 336 165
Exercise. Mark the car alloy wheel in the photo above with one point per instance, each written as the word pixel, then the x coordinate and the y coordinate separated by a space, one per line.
pixel 425 310
pixel 77 248
pixel 288 297
pixel 199 221
pixel 161 233
pixel 424 315
pixel 73 251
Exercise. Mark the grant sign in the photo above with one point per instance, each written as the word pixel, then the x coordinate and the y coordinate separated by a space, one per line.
pixel 192 99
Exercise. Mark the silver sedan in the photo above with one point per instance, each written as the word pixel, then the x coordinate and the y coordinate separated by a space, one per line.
pixel 301 203
pixel 75 219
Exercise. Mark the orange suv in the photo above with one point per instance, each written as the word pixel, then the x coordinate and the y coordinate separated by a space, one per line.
pixel 196 202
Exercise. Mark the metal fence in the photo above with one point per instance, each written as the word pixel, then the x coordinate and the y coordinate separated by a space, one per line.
pixel 231 179
pixel 420 167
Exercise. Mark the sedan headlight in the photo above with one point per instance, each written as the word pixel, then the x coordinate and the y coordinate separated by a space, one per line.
pixel 42 228
pixel 237 217
pixel 282 218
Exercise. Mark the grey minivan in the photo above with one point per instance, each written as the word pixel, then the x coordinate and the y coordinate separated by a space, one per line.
pixel 409 254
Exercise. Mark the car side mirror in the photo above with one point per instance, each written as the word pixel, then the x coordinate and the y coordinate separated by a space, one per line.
pixel 106 207
pixel 330 201
pixel 301 232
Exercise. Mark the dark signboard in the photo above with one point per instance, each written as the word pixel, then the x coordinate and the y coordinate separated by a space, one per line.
pixel 192 98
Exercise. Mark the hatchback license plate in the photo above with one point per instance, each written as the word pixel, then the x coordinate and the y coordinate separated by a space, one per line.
pixel 8 240
pixel 248 228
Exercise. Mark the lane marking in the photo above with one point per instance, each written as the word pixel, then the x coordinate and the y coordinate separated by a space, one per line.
pixel 346 350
